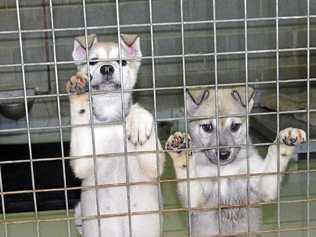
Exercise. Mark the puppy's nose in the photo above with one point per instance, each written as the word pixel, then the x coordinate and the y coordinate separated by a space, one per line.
pixel 107 70
pixel 224 154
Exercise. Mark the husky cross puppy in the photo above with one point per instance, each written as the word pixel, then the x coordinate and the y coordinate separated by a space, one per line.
pixel 104 75
pixel 232 162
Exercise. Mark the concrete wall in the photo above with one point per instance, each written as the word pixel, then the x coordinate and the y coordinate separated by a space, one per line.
pixel 198 38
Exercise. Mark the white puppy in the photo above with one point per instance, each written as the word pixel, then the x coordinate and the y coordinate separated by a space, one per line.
pixel 110 169
pixel 230 159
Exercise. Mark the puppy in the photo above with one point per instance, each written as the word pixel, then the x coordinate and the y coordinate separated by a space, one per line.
pixel 110 200
pixel 230 159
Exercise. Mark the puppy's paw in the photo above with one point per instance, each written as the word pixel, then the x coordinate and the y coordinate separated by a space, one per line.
pixel 292 136
pixel 139 125
pixel 288 139
pixel 77 84
pixel 176 145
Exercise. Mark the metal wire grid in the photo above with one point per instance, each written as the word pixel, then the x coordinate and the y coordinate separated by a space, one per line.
pixel 92 123
pixel 153 57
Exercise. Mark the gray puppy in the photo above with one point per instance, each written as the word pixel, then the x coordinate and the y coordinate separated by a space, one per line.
pixel 230 159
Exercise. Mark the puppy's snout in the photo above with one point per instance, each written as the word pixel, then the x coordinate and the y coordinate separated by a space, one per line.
pixel 107 70
pixel 224 154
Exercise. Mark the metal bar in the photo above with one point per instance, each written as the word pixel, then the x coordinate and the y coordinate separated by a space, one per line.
pixel 189 212
pixel 66 29
pixel 188 55
pixel 278 115
pixel 312 227
pixel 107 155
pixel 308 211
pixel 92 120
pixel 172 180
pixel 27 117
pixel 217 86
pixel 130 228
pixel 247 114
pixel 17 131
pixel 52 95
pixel 219 200
pixel 5 229
pixel 155 115
pixel 59 116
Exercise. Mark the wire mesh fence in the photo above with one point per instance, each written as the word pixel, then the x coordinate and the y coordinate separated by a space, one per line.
pixel 186 45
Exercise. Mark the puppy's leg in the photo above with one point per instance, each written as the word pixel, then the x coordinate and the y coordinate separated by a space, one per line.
pixel 142 139
pixel 139 125
pixel 288 139
pixel 174 145
pixel 81 138
pixel 141 135
pixel 78 220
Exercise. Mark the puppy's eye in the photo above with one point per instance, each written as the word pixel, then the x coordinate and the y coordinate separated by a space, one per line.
pixel 124 62
pixel 93 61
pixel 207 127
pixel 235 127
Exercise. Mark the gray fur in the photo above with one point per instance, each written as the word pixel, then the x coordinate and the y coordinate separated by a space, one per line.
pixel 237 190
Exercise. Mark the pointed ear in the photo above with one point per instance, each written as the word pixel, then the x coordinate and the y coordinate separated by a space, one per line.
pixel 195 98
pixel 239 94
pixel 131 43
pixel 79 51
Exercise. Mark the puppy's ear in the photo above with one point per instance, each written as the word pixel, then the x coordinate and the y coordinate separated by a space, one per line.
pixel 131 43
pixel 239 94
pixel 195 98
pixel 79 51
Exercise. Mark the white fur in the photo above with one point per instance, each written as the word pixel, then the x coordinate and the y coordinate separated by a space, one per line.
pixel 203 193
pixel 110 169
pixel 233 187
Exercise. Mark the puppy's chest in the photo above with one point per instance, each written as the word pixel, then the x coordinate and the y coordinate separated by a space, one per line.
pixel 109 139
pixel 233 198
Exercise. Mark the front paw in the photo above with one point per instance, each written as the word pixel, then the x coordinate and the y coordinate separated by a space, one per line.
pixel 292 136
pixel 77 84
pixel 176 145
pixel 139 125
pixel 288 139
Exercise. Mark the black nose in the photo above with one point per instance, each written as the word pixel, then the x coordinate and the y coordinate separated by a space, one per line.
pixel 223 154
pixel 107 70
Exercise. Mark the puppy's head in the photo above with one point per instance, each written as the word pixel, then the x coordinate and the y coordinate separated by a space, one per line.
pixel 231 129
pixel 104 64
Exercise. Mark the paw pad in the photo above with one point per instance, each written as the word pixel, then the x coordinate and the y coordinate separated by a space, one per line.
pixel 77 84
pixel 177 142
pixel 292 136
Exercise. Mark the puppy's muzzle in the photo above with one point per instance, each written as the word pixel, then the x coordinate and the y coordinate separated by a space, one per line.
pixel 224 154
pixel 107 70
pixel 224 158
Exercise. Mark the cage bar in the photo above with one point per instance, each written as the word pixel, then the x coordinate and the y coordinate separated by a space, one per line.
pixel 183 57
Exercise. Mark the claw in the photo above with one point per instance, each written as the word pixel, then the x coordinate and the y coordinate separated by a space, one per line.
pixel 292 136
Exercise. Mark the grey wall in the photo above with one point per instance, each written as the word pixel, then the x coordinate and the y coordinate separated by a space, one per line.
pixel 198 39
